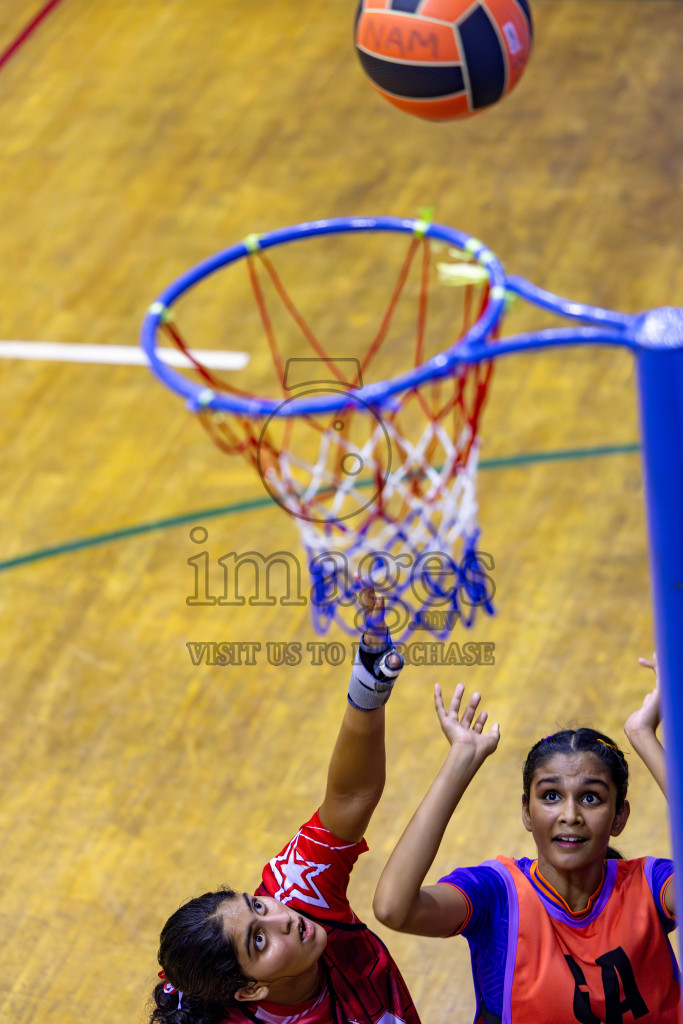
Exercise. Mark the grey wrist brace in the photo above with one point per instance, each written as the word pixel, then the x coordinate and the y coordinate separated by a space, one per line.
pixel 372 679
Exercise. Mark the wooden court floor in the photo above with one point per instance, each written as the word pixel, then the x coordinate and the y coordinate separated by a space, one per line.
pixel 140 136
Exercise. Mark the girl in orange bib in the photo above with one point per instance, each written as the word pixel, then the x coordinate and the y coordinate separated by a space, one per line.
pixel 575 935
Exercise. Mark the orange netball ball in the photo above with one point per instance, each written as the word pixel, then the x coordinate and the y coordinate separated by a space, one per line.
pixel 443 59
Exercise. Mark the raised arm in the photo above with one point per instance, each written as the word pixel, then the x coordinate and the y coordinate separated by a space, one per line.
pixel 401 901
pixel 641 729
pixel 356 774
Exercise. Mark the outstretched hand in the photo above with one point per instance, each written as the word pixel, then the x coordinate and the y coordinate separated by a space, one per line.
pixel 371 614
pixel 466 730
pixel 641 729
pixel 649 715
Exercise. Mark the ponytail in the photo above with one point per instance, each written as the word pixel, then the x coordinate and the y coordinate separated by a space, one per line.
pixel 200 970
pixel 176 1007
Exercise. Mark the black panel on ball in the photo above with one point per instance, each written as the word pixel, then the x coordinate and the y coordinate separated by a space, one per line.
pixel 418 83
pixel 484 58
pixel 405 5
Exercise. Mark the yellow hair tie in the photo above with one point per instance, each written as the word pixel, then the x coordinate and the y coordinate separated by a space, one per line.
pixel 606 744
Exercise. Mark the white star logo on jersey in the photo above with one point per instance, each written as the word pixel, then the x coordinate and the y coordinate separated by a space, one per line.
pixel 294 877
pixel 386 1018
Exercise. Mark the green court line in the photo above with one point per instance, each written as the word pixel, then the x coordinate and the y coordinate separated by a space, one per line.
pixel 264 502
pixel 557 456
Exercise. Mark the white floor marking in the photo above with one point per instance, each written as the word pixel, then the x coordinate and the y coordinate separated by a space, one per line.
pixel 120 355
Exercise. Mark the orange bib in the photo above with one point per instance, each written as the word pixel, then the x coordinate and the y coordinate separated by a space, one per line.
pixel 616 968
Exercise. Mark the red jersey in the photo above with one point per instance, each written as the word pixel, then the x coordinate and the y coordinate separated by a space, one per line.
pixel 361 984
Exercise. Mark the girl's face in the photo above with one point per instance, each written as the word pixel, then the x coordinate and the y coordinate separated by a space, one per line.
pixel 275 945
pixel 571 813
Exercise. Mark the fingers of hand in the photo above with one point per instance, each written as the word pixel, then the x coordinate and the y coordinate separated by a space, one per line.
pixel 366 592
pixel 450 720
pixel 650 663
pixel 454 707
pixel 373 609
pixel 480 721
pixel 471 710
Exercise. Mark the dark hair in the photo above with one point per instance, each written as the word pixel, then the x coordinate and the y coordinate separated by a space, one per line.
pixel 573 741
pixel 198 960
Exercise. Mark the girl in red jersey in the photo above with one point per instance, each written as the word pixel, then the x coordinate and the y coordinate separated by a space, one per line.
pixel 577 934
pixel 293 950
